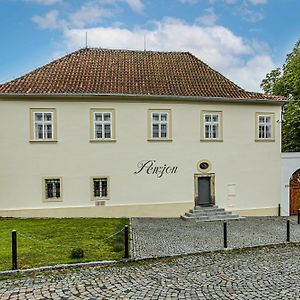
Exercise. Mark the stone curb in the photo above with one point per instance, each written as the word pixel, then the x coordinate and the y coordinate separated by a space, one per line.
pixel 129 260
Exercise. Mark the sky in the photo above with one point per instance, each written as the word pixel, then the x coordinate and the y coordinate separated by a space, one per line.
pixel 242 39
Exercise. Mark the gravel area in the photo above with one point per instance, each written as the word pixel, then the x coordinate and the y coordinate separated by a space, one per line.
pixel 164 237
pixel 265 273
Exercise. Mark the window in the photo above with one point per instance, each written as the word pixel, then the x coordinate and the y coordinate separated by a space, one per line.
pixel 160 124
pixel 102 125
pixel 211 125
pixel 100 187
pixel 43 125
pixel 52 189
pixel 264 126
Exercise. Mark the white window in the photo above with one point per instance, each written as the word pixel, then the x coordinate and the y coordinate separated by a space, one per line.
pixel 100 187
pixel 52 189
pixel 212 125
pixel 160 125
pixel 43 125
pixel 102 125
pixel 264 126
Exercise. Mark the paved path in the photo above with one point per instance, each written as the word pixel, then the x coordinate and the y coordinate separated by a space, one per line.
pixel 266 273
pixel 163 237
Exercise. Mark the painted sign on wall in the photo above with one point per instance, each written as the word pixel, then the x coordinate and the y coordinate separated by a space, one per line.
pixel 150 167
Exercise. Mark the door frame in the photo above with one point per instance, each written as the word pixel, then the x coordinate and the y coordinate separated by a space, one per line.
pixel 212 186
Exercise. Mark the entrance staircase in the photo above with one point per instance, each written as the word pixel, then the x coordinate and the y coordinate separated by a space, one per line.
pixel 210 213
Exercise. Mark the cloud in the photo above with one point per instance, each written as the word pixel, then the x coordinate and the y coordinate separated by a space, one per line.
pixel 49 20
pixel 136 5
pixel 45 2
pixel 256 2
pixel 250 15
pixel 245 62
pixel 88 14
pixel 209 18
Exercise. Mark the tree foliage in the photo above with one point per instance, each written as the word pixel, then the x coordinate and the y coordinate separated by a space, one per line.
pixel 285 81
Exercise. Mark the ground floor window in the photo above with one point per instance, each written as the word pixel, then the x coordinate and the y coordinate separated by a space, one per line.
pixel 100 187
pixel 52 189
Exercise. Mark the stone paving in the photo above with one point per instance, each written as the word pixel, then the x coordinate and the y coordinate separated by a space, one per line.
pixel 264 273
pixel 164 237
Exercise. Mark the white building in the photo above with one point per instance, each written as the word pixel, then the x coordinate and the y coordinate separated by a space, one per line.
pixel 135 133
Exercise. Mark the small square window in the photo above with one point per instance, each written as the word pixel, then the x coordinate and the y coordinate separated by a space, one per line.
pixel 52 189
pixel 100 188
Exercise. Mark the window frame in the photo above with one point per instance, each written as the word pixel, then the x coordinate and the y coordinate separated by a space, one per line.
pixel 44 198
pixel 93 198
pixel 93 138
pixel 32 137
pixel 265 114
pixel 169 125
pixel 203 123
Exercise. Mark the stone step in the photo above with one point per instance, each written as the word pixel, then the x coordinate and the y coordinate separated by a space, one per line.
pixel 209 214
pixel 215 218
pixel 224 219
pixel 208 209
pixel 201 218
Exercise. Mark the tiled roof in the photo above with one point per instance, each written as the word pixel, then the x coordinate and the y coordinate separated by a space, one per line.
pixel 102 71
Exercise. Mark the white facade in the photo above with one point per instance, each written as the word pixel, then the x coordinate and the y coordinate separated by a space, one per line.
pixel 246 171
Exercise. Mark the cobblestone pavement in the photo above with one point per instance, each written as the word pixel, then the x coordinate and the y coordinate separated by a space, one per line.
pixel 264 273
pixel 163 237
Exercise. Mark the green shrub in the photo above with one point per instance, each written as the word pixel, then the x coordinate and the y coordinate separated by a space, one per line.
pixel 77 253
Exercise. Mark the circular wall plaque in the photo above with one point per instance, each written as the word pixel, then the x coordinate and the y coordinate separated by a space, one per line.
pixel 204 165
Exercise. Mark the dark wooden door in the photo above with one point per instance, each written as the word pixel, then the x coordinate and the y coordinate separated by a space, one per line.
pixel 295 193
pixel 204 191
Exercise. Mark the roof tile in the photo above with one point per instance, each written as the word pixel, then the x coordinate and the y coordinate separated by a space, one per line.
pixel 103 71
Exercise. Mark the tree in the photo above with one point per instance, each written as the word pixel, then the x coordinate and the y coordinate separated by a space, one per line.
pixel 285 81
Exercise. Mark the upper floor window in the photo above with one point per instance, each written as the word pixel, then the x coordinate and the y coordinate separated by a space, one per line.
pixel 43 125
pixel 160 124
pixel 211 125
pixel 264 126
pixel 102 127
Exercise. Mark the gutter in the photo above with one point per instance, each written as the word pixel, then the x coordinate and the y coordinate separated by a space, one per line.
pixel 25 96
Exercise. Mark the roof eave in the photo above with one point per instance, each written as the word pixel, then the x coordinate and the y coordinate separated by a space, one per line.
pixel 25 96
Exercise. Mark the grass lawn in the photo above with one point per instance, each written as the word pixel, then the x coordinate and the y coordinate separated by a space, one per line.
pixel 43 242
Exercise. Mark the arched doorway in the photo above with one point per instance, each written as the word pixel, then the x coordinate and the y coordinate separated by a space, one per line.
pixel 295 193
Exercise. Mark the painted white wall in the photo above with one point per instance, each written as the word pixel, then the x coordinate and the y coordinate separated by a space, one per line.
pixel 247 172
pixel 290 163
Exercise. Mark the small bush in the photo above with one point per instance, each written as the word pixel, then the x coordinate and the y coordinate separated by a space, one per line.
pixel 77 253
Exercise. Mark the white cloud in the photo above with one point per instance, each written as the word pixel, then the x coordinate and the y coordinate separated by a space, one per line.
pixel 49 20
pixel 88 14
pixel 45 2
pixel 136 5
pixel 250 15
pixel 256 2
pixel 209 18
pixel 244 62
pixel 253 70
